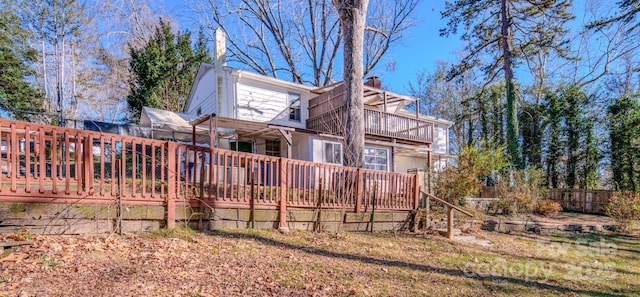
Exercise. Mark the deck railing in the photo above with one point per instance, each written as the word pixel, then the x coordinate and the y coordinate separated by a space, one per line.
pixel 377 123
pixel 41 163
pixel 223 178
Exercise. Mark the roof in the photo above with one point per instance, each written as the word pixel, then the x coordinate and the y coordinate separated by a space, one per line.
pixel 246 129
pixel 372 96
pixel 171 125
pixel 164 119
pixel 406 112
pixel 239 73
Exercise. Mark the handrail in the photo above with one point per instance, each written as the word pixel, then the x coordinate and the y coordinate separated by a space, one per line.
pixel 448 204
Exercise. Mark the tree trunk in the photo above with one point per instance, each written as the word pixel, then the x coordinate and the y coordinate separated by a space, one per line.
pixel 512 107
pixel 352 19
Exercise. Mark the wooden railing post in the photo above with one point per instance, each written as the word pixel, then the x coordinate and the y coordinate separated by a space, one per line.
pixel 416 191
pixel 283 195
pixel 171 182
pixel 450 222
pixel 13 168
pixel 358 190
pixel 87 178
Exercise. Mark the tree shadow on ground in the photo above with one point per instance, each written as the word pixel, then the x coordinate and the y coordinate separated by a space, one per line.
pixel 402 264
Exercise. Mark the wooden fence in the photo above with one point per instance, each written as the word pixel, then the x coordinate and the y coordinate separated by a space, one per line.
pixel 587 201
pixel 41 163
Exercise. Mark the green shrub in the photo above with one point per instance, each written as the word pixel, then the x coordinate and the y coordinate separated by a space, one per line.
pixel 474 164
pixel 624 208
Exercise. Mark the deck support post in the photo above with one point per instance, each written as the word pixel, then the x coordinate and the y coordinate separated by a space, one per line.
pixel 359 186
pixel 416 191
pixel 450 222
pixel 283 196
pixel 172 166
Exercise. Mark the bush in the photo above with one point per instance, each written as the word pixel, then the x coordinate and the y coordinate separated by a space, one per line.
pixel 473 165
pixel 548 208
pixel 624 208
pixel 520 191
pixel 501 206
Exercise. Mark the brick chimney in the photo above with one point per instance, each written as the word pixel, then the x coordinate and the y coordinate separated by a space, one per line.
pixel 373 81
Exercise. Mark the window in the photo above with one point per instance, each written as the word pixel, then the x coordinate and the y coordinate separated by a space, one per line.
pixel 272 148
pixel 199 111
pixel 242 146
pixel 332 153
pixel 294 107
pixel 376 158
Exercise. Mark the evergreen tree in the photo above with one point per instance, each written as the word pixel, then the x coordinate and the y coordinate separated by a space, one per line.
pixel 553 140
pixel 624 123
pixel 532 127
pixel 512 28
pixel 496 97
pixel 163 70
pixel 17 95
pixel 629 9
pixel 592 157
pixel 574 127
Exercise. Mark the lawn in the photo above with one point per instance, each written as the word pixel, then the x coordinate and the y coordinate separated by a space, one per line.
pixel 268 263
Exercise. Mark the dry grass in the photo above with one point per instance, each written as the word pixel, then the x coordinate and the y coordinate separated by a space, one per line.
pixel 267 263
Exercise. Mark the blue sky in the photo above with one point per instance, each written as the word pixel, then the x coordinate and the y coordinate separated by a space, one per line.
pixel 421 49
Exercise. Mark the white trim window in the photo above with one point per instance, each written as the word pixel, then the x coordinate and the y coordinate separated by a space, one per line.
pixel 376 158
pixel 295 112
pixel 332 152
pixel 272 148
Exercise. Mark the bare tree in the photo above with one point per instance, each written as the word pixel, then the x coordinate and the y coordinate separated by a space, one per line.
pixel 61 36
pixel 602 48
pixel 299 40
pixel 124 23
pixel 448 99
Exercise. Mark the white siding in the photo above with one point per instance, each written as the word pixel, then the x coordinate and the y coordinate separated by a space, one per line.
pixel 440 139
pixel 260 104
pixel 204 95
pixel 301 150
pixel 404 163
pixel 267 103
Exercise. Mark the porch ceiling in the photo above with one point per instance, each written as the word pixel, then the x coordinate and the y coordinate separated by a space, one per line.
pixel 246 129
pixel 372 96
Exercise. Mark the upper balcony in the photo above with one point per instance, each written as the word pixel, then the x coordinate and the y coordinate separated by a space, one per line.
pixel 382 115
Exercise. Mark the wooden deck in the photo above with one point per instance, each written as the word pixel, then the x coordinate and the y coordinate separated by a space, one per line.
pixel 59 165
pixel 327 114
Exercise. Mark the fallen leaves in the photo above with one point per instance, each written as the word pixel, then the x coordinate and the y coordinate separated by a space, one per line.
pixel 246 263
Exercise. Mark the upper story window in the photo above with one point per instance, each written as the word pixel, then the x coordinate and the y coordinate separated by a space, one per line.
pixel 376 158
pixel 199 111
pixel 332 152
pixel 294 107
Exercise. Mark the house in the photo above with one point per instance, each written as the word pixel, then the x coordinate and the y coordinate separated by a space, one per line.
pixel 265 115
pixel 274 117
pixel 270 116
